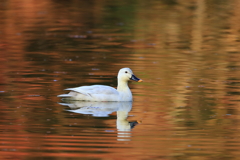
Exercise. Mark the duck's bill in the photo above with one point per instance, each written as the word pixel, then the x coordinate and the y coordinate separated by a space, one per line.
pixel 134 78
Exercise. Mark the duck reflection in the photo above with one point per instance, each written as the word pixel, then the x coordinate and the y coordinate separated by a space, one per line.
pixel 103 109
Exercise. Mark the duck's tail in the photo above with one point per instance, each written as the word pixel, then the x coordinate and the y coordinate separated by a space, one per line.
pixel 65 95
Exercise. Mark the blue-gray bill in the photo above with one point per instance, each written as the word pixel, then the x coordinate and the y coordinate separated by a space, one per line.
pixel 134 78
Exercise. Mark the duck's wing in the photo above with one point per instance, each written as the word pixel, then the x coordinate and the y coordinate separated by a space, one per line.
pixel 95 89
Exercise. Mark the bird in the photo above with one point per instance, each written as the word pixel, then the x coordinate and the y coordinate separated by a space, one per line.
pixel 102 92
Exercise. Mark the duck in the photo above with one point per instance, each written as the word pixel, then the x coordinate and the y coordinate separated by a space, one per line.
pixel 104 93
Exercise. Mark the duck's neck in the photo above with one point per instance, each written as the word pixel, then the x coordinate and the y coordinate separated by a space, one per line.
pixel 124 91
pixel 123 86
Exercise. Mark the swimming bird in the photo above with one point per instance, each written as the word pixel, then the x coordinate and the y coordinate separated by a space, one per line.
pixel 103 92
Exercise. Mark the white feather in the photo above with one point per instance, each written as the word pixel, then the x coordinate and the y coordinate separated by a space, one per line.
pixel 64 95
pixel 102 92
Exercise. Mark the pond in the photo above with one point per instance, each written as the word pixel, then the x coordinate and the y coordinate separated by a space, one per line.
pixel 186 52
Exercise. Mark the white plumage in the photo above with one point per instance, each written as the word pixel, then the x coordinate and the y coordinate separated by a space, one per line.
pixel 103 92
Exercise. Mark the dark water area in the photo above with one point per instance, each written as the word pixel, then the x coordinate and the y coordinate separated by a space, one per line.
pixel 187 53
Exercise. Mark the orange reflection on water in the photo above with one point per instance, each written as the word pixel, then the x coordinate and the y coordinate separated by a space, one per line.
pixel 187 54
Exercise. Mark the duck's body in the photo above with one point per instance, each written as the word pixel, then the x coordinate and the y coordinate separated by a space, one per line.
pixel 104 93
pixel 95 93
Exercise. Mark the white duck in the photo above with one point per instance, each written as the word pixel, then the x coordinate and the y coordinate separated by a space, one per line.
pixel 105 93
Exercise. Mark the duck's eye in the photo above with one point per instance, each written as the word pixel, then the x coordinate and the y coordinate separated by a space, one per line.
pixel 126 72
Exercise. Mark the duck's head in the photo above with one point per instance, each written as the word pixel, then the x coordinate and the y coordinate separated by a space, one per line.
pixel 126 74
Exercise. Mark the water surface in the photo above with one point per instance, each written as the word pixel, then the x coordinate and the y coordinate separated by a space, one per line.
pixel 187 53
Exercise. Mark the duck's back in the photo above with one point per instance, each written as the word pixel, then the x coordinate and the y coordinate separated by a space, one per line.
pixel 94 93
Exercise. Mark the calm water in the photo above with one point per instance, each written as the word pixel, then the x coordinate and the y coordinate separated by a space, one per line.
pixel 187 53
